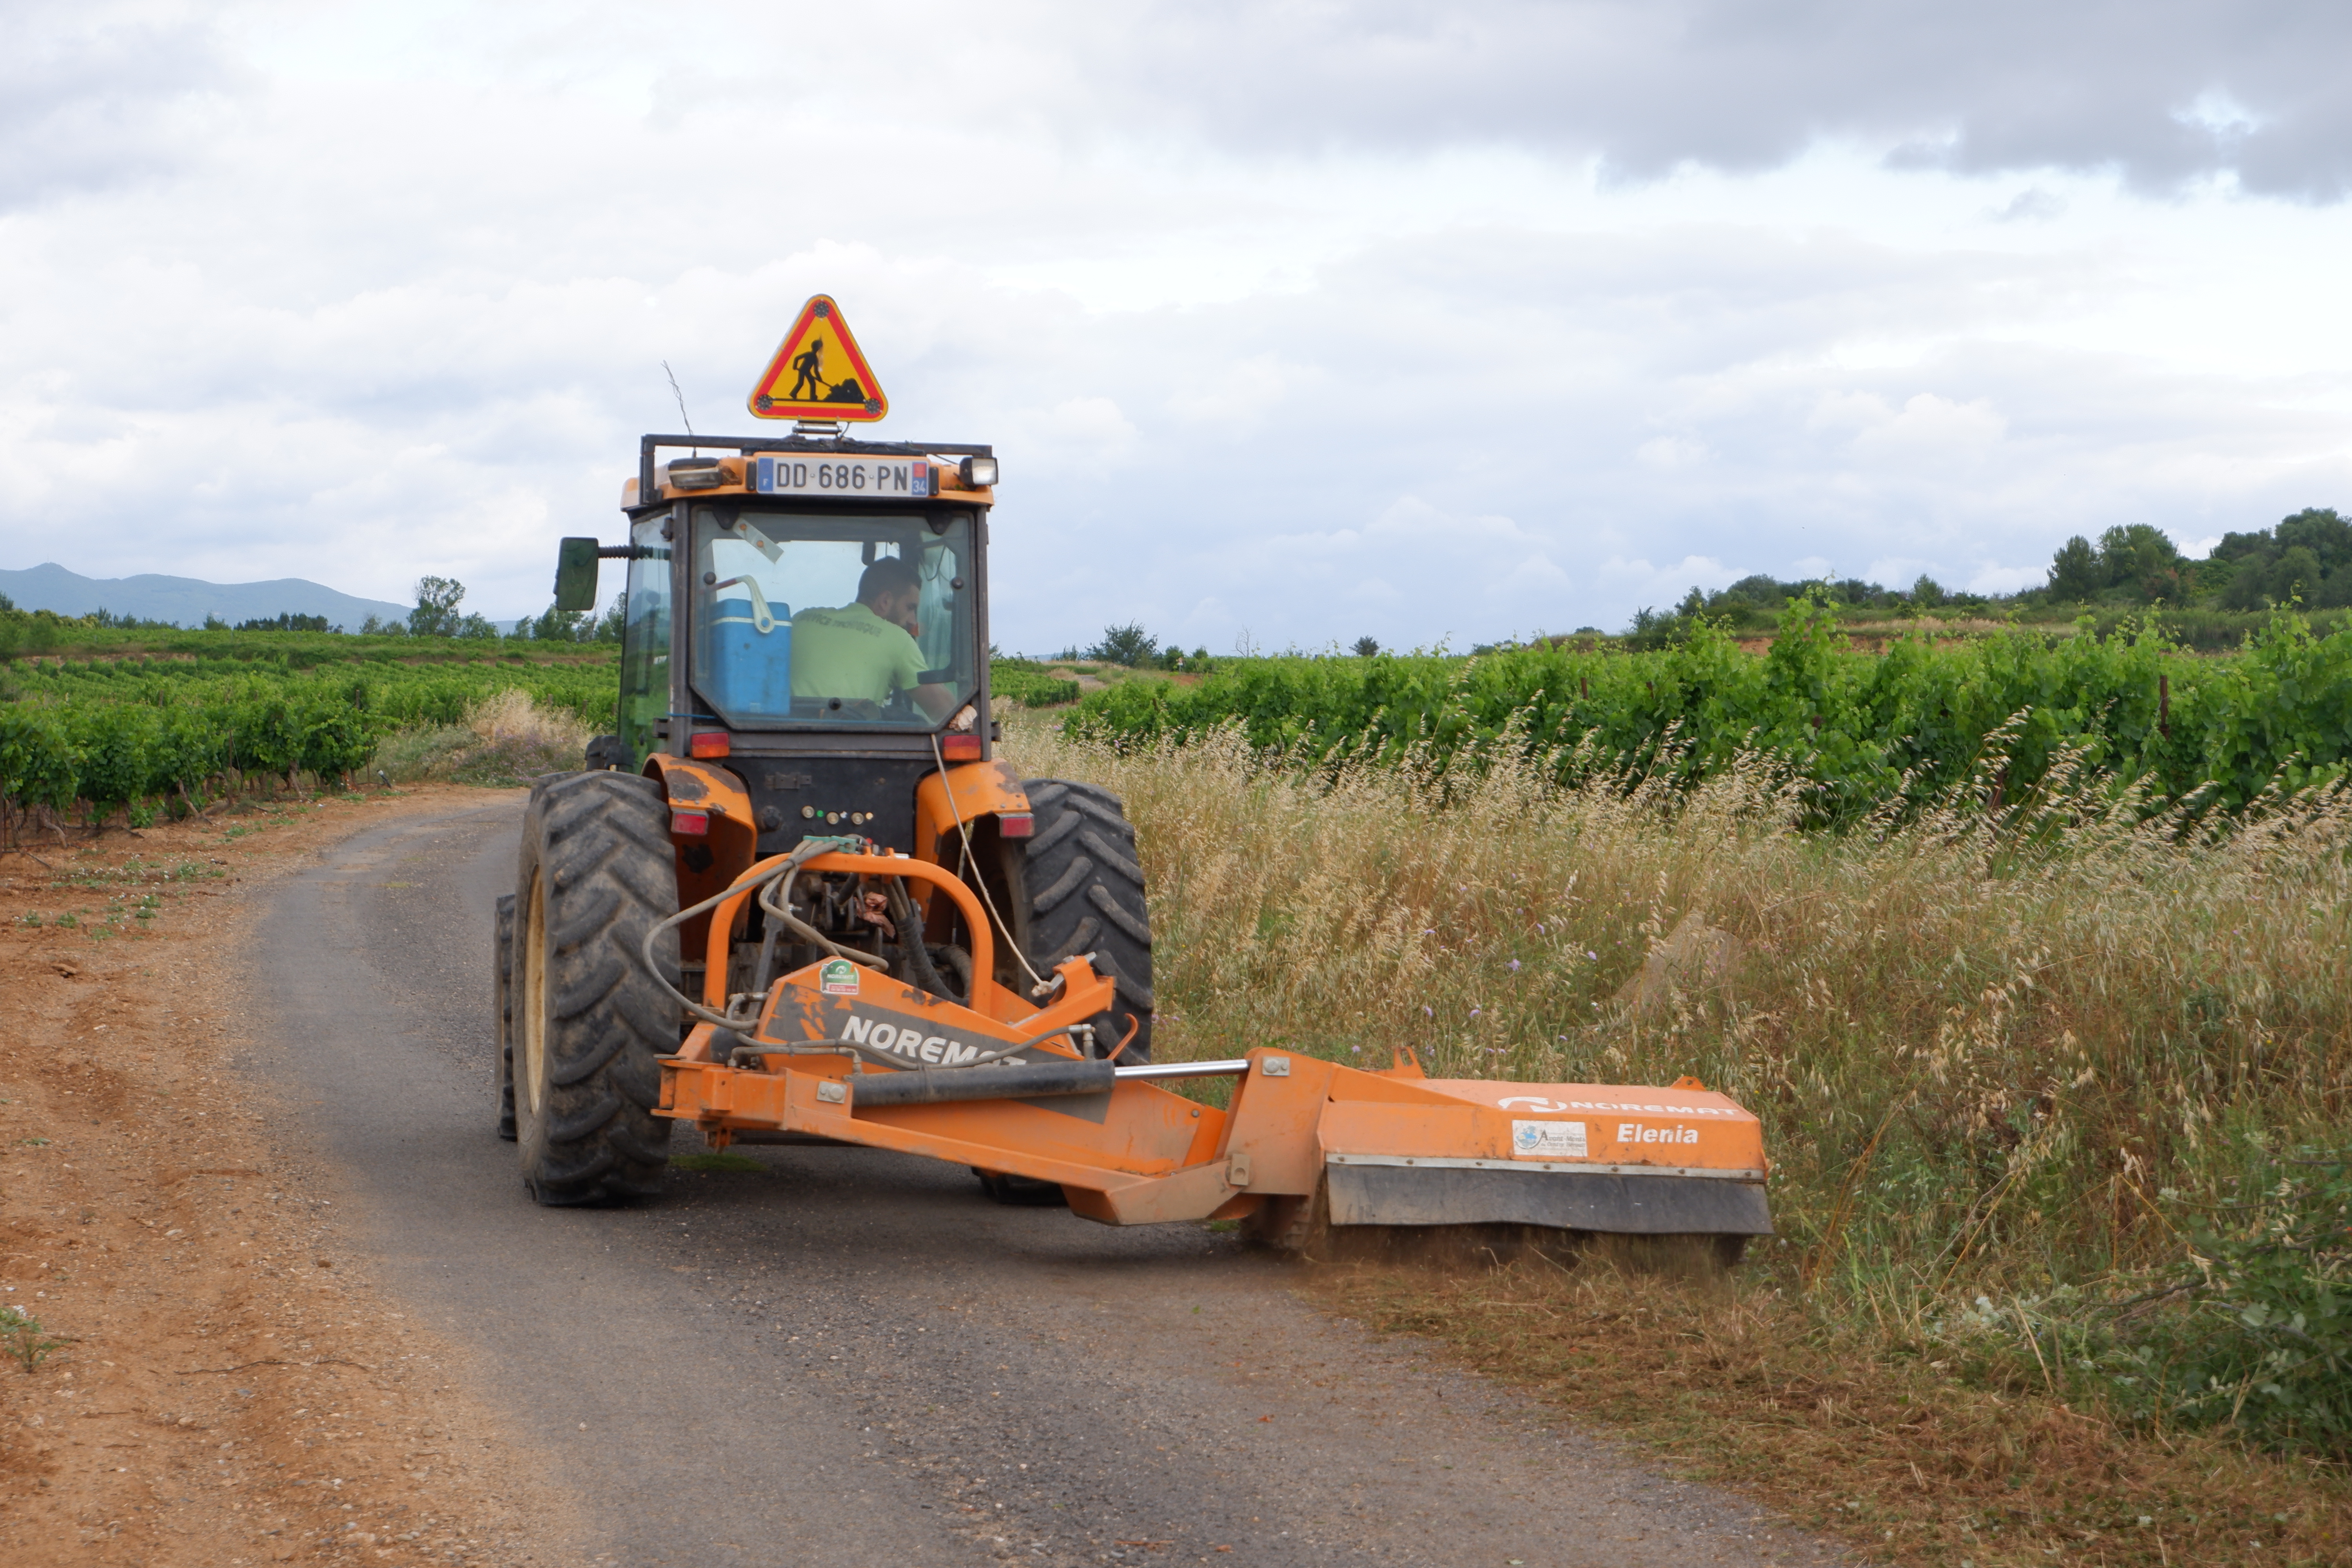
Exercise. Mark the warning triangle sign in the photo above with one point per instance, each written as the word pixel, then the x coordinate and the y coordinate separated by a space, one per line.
pixel 818 373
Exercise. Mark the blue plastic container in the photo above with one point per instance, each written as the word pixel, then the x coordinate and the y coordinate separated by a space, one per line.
pixel 747 673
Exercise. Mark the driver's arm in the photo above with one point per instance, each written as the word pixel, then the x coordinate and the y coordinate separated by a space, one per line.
pixel 934 699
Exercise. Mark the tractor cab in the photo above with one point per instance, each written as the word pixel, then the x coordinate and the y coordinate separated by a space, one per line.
pixel 815 611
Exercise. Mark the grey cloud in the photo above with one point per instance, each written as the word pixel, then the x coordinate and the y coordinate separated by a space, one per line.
pixel 391 323
pixel 98 94
pixel 2031 205
pixel 1528 389
pixel 2163 92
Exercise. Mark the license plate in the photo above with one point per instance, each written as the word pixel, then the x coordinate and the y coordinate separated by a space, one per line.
pixel 878 479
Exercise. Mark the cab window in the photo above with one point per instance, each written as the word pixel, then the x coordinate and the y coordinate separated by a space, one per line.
pixel 645 640
pixel 833 619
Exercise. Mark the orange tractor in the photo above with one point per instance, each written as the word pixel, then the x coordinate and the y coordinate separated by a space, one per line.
pixel 797 898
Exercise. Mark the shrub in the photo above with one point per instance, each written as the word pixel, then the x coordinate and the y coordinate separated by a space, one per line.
pixel 1129 644
pixel 2264 1338
pixel 507 739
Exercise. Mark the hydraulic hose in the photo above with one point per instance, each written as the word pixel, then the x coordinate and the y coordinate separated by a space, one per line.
pixel 775 899
pixel 909 922
pixel 807 850
pixel 774 891
pixel 1041 985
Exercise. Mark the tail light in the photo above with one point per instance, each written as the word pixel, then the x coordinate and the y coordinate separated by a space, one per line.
pixel 709 744
pixel 1015 823
pixel 690 823
pixel 959 748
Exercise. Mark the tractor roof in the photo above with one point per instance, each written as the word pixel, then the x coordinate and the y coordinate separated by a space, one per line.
pixel 800 465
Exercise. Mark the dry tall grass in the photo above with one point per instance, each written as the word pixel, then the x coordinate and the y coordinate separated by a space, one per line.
pixel 1989 1052
pixel 505 739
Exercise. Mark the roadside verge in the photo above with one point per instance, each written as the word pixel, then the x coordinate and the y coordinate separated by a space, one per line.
pixel 215 1377
pixel 1903 1461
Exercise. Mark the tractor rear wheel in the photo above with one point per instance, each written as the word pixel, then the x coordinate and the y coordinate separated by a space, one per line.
pixel 502 991
pixel 597 873
pixel 1079 889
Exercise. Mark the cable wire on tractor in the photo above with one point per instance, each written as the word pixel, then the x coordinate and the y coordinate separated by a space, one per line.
pixel 797 897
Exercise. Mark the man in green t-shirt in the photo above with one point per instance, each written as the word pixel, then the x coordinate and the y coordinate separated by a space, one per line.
pixel 865 651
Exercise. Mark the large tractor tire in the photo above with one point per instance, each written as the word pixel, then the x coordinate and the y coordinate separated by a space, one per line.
pixel 502 977
pixel 595 874
pixel 1080 890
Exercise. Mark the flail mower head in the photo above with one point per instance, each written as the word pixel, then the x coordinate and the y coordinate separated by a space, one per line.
pixel 841 1050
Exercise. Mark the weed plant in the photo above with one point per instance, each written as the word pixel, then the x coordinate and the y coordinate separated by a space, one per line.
pixel 2002 1053
pixel 21 1334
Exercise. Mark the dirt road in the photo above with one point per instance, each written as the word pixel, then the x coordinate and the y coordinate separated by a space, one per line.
pixel 844 1357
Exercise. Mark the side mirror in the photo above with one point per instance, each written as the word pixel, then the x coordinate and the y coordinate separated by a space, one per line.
pixel 575 574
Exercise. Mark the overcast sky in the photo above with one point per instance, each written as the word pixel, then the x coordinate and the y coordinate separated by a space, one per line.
pixel 1291 322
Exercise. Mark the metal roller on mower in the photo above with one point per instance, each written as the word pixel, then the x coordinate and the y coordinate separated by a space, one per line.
pixel 797 898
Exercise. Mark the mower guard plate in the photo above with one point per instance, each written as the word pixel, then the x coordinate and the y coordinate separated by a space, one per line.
pixel 1424 1194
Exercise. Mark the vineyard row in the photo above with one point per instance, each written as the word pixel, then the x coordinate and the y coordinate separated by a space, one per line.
pixel 1861 732
pixel 116 733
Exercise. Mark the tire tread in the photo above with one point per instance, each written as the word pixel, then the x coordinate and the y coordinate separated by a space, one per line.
pixel 1084 892
pixel 601 842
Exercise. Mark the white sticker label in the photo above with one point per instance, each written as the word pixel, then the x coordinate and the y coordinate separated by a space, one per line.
pixel 1547 1140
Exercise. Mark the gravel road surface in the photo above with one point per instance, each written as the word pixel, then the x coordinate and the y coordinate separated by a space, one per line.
pixel 846 1357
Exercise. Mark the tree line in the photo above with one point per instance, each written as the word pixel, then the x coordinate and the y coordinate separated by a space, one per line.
pixel 437 614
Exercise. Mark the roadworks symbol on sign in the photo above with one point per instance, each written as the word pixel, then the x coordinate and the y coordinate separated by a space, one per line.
pixel 818 373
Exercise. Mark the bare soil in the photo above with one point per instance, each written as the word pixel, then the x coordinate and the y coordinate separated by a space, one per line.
pixel 231 1388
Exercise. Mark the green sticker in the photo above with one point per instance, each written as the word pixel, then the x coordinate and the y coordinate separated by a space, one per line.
pixel 837 978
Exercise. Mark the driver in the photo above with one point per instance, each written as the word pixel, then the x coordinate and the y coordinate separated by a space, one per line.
pixel 863 651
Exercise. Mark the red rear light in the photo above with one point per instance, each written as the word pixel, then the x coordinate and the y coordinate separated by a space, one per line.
pixel 961 748
pixel 1015 823
pixel 690 823
pixel 709 744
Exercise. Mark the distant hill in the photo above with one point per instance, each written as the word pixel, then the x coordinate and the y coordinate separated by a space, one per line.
pixel 187 600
